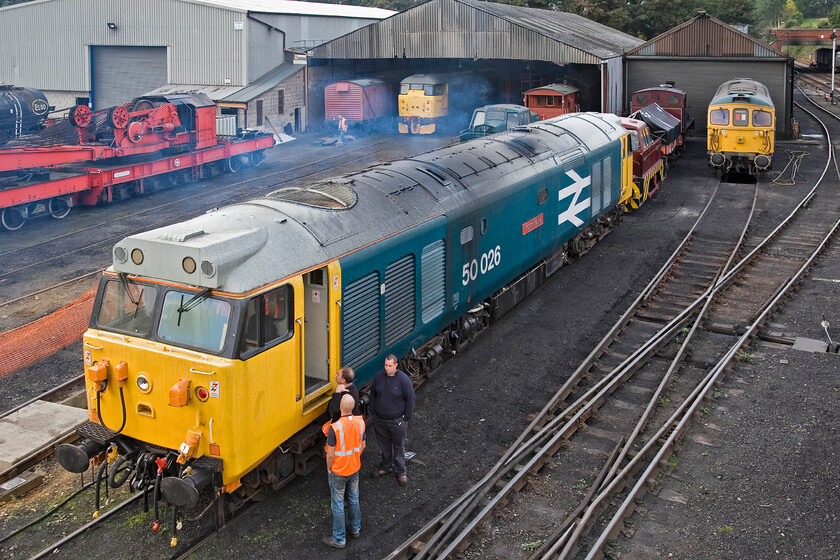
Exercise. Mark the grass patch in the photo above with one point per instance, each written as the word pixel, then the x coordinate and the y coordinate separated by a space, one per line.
pixel 672 461
pixel 745 357
pixel 581 484
pixel 532 546
pixel 726 530
pixel 664 402
pixel 139 519
pixel 264 537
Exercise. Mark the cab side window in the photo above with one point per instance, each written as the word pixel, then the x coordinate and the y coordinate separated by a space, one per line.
pixel 512 120
pixel 267 320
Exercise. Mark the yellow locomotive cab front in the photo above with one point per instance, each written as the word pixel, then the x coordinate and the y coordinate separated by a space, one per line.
pixel 420 104
pixel 741 127
pixel 213 384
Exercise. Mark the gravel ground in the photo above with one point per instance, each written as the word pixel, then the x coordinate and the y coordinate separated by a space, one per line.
pixel 478 402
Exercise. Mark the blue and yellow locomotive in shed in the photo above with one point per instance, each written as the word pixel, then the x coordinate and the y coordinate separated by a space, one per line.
pixel 741 127
pixel 212 343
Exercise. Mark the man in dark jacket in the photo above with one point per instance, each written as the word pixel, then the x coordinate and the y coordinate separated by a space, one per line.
pixel 344 379
pixel 392 406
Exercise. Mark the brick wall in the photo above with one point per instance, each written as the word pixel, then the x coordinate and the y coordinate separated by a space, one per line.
pixel 293 98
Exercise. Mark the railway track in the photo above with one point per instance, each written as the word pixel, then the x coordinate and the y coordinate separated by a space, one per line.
pixel 593 456
pixel 83 253
pixel 692 266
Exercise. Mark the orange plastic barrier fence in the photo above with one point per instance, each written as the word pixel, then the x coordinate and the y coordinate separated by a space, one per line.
pixel 26 345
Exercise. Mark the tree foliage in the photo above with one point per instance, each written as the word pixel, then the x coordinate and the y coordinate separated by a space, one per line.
pixel 814 8
pixel 834 16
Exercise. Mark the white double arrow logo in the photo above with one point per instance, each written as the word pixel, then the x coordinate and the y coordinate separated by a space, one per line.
pixel 577 186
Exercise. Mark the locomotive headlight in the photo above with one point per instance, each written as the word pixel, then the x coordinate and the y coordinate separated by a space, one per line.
pixel 143 383
pixel 188 264
pixel 137 256
pixel 120 254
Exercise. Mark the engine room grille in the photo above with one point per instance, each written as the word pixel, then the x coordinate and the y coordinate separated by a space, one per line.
pixel 399 299
pixel 331 195
pixel 433 280
pixel 360 309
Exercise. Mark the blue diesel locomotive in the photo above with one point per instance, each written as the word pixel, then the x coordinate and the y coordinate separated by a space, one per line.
pixel 212 342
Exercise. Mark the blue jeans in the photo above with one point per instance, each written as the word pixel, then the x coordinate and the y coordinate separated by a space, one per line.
pixel 339 486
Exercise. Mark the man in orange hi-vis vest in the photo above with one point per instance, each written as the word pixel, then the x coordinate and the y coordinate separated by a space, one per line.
pixel 345 443
pixel 342 128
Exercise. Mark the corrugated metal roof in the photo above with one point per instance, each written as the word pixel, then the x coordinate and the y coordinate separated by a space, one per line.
pixel 475 29
pixel 234 94
pixel 705 36
pixel 216 93
pixel 570 29
pixel 263 84
pixel 301 8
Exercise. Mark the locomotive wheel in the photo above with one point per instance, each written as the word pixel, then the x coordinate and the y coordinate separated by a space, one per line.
pixel 118 117
pixel 59 207
pixel 233 164
pixel 256 158
pixel 12 218
pixel 80 116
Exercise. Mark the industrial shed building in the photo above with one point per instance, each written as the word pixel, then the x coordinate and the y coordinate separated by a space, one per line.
pixel 517 48
pixel 108 51
pixel 701 54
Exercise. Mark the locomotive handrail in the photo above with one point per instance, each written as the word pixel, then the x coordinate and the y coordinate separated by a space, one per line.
pixel 193 370
pixel 302 370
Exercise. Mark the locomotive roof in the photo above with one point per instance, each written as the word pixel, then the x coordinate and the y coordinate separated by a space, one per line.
pixel 427 79
pixel 243 247
pixel 503 107
pixel 663 87
pixel 742 90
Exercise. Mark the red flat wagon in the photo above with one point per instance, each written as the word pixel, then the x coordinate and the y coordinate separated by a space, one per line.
pixel 147 144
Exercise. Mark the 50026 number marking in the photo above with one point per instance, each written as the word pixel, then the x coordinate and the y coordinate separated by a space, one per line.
pixel 489 260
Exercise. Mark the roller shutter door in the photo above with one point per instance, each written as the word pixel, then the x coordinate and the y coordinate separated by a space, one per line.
pixel 122 73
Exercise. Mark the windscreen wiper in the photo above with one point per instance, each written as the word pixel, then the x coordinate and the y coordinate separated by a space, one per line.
pixel 127 289
pixel 194 301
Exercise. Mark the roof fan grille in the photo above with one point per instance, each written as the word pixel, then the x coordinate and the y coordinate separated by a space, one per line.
pixel 331 195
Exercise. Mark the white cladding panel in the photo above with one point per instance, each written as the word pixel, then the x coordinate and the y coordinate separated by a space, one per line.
pixel 47 44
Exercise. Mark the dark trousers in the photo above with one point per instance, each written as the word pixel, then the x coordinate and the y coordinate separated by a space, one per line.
pixel 390 435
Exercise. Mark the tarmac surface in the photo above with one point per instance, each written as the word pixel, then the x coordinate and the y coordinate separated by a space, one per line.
pixel 756 479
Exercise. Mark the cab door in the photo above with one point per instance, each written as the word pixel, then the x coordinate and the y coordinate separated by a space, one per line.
pixel 316 305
